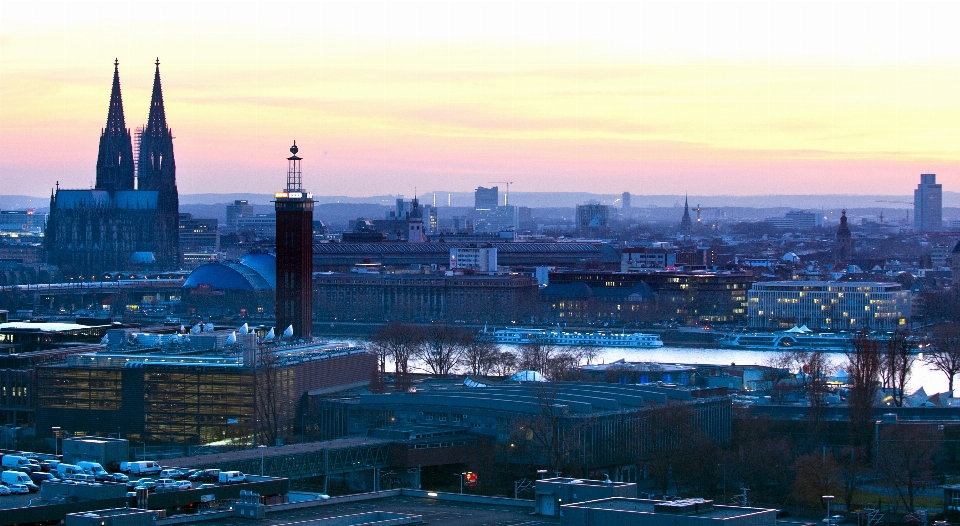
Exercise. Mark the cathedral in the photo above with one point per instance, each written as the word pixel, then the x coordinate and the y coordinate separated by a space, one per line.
pixel 119 225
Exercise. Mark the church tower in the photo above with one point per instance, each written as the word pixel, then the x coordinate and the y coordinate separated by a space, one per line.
pixel 115 160
pixel 844 246
pixel 294 253
pixel 686 225
pixel 157 171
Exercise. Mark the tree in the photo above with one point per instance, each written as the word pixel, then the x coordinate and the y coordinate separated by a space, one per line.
pixel 480 356
pixel 817 475
pixel 504 363
pixel 399 341
pixel 272 401
pixel 863 369
pixel 905 456
pixel 943 351
pixel 443 347
pixel 896 364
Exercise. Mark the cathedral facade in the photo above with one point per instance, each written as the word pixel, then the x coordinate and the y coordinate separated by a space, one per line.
pixel 124 222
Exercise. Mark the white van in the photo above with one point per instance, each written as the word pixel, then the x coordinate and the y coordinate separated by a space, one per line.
pixel 232 477
pixel 92 468
pixel 16 462
pixel 18 477
pixel 143 467
pixel 68 471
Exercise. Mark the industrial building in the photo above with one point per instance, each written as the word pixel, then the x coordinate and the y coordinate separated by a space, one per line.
pixel 578 427
pixel 190 388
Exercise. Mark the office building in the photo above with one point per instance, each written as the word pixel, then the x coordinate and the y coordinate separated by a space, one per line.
pixel 828 305
pixel 486 198
pixel 593 220
pixel 294 252
pixel 480 259
pixel 198 234
pixel 239 208
pixel 928 205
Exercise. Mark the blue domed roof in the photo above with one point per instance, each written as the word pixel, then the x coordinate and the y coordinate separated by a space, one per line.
pixel 263 264
pixel 234 276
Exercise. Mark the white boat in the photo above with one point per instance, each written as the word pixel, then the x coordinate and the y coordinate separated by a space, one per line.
pixel 520 336
pixel 795 339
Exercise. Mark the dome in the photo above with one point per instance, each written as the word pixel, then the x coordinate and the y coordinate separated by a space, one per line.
pixel 263 264
pixel 231 276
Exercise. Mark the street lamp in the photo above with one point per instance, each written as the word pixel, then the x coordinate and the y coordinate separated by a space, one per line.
pixel 828 498
pixel 56 442
pixel 261 447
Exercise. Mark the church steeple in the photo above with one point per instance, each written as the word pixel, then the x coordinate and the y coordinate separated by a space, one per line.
pixel 686 225
pixel 156 170
pixel 115 159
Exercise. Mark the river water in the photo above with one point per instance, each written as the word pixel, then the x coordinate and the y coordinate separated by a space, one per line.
pixel 922 374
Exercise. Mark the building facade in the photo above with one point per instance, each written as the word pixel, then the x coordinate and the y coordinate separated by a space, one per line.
pixel 828 305
pixel 928 205
pixel 593 220
pixel 424 297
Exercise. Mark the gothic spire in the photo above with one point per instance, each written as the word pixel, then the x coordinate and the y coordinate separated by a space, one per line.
pixel 115 159
pixel 686 225
pixel 116 126
pixel 157 122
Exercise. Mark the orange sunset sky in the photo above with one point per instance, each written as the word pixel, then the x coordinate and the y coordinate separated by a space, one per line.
pixel 704 98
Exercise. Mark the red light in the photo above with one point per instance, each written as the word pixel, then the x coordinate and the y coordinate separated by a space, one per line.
pixel 470 478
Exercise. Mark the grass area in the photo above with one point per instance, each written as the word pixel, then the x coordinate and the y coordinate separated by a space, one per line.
pixel 862 498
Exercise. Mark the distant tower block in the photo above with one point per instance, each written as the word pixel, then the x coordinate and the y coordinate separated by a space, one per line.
pixel 625 201
pixel 294 253
pixel 928 205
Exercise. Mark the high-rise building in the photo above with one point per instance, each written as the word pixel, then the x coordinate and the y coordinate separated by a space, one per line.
pixel 239 208
pixel 593 219
pixel 294 209
pixel 115 226
pixel 928 205
pixel 486 198
pixel 625 201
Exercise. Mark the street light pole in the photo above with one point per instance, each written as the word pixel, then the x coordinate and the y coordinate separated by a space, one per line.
pixel 261 447
pixel 56 441
pixel 828 498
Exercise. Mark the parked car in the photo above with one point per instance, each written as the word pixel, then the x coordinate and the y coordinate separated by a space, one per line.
pixel 5 490
pixel 205 475
pixel 19 489
pixel 232 477
pixel 141 467
pixel 113 477
pixel 18 477
pixel 150 484
pixel 40 478
pixel 172 473
pixel 206 486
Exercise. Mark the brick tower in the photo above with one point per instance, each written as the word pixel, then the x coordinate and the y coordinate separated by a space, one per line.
pixel 294 253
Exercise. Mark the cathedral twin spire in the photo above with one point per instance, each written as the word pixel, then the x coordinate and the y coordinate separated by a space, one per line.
pixel 115 162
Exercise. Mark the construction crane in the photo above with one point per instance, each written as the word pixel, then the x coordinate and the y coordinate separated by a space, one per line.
pixel 506 194
pixel 697 210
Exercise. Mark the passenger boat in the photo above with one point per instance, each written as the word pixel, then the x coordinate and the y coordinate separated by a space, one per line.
pixel 795 339
pixel 520 336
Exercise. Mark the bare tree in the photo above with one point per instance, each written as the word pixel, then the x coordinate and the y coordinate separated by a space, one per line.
pixel 863 369
pixel 896 364
pixel 480 356
pixel 503 363
pixel 400 341
pixel 535 356
pixel 817 474
pixel 443 347
pixel 272 404
pixel 905 456
pixel 944 351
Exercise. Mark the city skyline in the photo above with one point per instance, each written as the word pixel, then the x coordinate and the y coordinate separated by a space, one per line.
pixel 662 98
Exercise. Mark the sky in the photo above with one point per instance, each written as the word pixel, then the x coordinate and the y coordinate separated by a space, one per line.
pixel 704 98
